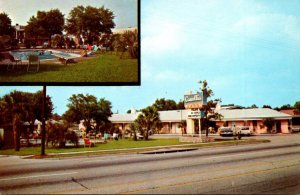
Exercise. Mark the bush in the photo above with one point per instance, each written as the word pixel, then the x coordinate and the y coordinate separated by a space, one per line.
pixel 71 136
pixel 4 42
pixel 55 133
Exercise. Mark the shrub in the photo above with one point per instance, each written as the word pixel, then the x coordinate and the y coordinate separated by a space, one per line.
pixel 72 137
pixel 4 42
pixel 55 133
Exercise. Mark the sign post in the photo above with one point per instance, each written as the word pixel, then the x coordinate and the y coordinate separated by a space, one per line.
pixel 200 124
pixel 195 102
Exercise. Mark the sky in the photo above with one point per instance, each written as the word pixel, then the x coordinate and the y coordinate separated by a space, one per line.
pixel 247 50
pixel 20 11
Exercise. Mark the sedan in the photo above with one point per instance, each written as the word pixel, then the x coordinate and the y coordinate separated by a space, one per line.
pixel 226 131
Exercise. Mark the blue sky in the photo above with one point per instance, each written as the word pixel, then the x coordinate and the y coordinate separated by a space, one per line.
pixel 248 51
pixel 20 11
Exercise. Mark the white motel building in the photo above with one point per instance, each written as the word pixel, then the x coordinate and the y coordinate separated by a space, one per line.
pixel 232 116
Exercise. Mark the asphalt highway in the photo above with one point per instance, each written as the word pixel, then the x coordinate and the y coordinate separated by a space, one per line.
pixel 243 169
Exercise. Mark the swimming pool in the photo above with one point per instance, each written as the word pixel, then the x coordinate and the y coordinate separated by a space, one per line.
pixel 42 54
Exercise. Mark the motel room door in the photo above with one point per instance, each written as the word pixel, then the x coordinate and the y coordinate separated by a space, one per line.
pixel 278 127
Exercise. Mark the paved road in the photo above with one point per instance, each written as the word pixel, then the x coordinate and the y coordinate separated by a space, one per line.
pixel 263 168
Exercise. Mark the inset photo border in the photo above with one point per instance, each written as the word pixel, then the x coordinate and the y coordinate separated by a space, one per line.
pixel 74 43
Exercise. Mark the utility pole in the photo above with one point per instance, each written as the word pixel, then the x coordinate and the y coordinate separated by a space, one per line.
pixel 43 121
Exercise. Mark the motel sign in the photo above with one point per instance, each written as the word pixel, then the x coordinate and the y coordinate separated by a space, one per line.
pixel 195 114
pixel 194 101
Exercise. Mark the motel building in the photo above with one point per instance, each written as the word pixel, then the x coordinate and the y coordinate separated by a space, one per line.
pixel 232 116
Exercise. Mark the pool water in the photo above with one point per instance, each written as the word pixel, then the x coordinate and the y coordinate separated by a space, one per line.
pixel 43 55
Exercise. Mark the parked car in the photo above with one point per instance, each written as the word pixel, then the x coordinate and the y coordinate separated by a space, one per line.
pixel 245 131
pixel 225 131
pixel 294 129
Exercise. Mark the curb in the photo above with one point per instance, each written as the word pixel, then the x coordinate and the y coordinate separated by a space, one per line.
pixel 169 150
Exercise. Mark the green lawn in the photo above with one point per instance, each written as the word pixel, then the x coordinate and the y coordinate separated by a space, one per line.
pixel 124 144
pixel 102 67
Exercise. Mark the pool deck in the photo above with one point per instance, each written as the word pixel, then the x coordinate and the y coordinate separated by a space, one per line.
pixel 6 54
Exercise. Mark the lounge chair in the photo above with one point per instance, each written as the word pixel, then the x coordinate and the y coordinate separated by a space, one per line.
pixel 95 48
pixel 64 59
pixel 13 61
pixel 33 60
pixel 88 142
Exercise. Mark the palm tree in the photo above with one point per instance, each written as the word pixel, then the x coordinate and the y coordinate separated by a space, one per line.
pixel 128 41
pixel 16 131
pixel 134 128
pixel 148 119
pixel 268 123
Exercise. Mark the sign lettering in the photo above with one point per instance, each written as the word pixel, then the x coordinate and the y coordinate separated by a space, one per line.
pixel 194 101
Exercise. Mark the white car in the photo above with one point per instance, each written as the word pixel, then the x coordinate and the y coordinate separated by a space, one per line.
pixel 245 131
pixel 294 129
pixel 225 131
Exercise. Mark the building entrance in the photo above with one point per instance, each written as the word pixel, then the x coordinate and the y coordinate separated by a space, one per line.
pixel 278 127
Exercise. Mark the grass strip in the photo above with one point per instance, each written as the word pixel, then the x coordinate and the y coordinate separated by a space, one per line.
pixel 102 67
pixel 92 152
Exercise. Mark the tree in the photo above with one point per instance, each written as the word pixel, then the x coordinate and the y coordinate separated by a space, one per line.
pixel 89 22
pixel 134 129
pixel 87 108
pixel 163 104
pixel 180 105
pixel 267 106
pixel 5 25
pixel 286 107
pixel 297 106
pixel 102 114
pixel 58 41
pixel 56 117
pixel 18 107
pixel 253 106
pixel 33 29
pixel 148 120
pixel 56 134
pixel 45 24
pixel 208 109
pixel 4 42
pixel 6 31
pixel 269 123
pixel 128 41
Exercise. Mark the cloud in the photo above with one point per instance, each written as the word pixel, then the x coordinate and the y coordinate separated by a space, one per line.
pixel 169 76
pixel 269 26
pixel 160 36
